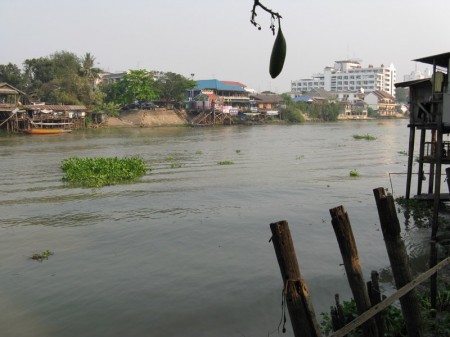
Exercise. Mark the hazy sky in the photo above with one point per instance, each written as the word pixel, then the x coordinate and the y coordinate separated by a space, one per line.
pixel 215 39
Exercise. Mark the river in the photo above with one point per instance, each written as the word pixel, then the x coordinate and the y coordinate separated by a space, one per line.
pixel 185 251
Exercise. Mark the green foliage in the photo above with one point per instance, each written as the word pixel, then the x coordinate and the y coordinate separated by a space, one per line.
pixel 292 115
pixel 60 79
pixel 137 85
pixel 354 173
pixel 403 153
pixel 172 87
pixel 42 256
pixel 420 210
pixel 394 323
pixel 238 151
pixel 366 137
pixel 110 108
pixel 371 112
pixel 225 162
pixel 176 165
pixel 98 172
pixel 401 95
pixel 436 321
pixel 11 74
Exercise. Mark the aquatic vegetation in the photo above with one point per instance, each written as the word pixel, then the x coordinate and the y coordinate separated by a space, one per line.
pixel 354 173
pixel 238 151
pixel 403 153
pixel 225 162
pixel 300 157
pixel 42 256
pixel 366 137
pixel 198 152
pixel 170 158
pixel 176 165
pixel 98 172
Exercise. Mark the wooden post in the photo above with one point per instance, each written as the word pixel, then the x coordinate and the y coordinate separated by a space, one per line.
pixel 373 287
pixel 399 260
pixel 301 312
pixel 344 234
pixel 412 132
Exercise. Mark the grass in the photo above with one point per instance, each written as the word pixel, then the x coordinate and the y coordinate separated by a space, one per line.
pixel 366 137
pixel 99 172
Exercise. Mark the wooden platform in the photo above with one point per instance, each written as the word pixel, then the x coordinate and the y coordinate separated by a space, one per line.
pixel 430 197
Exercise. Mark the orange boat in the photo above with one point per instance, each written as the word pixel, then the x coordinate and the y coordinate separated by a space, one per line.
pixel 46 131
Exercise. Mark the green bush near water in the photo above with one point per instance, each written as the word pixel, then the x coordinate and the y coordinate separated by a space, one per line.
pixel 366 137
pixel 98 172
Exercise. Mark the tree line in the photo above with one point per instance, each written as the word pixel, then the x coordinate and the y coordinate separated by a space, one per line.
pixel 65 78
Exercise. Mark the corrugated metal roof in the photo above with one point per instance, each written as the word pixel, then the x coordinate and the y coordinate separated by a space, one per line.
pixel 217 85
pixel 412 83
pixel 56 107
pixel 302 99
pixel 440 59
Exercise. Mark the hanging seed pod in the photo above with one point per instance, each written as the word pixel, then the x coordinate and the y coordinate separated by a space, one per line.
pixel 278 54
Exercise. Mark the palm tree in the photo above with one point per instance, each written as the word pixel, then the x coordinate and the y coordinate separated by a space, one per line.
pixel 88 69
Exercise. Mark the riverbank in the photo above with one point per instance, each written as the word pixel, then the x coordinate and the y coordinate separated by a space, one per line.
pixel 147 118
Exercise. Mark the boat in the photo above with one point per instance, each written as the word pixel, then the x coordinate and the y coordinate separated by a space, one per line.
pixel 46 131
pixel 40 128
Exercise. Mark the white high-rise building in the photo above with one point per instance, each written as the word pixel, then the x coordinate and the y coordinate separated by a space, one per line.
pixel 349 75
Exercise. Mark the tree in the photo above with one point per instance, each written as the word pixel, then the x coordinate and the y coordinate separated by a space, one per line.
pixel 173 87
pixel 88 69
pixel 11 74
pixel 137 85
pixel 401 95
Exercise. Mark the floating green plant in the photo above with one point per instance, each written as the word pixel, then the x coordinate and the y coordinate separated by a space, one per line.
pixel 198 152
pixel 366 137
pixel 225 162
pixel 176 165
pixel 170 158
pixel 403 153
pixel 42 256
pixel 354 173
pixel 300 157
pixel 98 172
pixel 238 151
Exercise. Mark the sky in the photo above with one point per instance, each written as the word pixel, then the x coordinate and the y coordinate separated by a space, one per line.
pixel 214 39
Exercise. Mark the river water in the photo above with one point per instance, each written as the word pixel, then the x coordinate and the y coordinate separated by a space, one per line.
pixel 185 250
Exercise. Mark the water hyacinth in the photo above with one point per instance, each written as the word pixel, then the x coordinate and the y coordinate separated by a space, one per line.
pixel 98 172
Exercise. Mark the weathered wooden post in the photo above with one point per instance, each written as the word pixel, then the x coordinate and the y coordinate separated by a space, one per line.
pixel 344 234
pixel 399 260
pixel 373 287
pixel 301 312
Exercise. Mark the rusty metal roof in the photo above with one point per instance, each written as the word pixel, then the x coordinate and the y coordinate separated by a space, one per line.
pixel 56 107
pixel 440 59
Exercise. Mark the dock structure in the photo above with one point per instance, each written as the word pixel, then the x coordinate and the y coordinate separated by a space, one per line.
pixel 430 116
pixel 211 117
pixel 18 114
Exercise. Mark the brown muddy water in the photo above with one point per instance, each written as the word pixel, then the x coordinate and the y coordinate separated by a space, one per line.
pixel 184 251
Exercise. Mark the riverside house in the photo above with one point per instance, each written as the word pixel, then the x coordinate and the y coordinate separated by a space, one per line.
pixel 215 94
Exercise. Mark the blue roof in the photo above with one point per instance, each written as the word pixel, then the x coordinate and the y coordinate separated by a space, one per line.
pixel 217 85
pixel 302 99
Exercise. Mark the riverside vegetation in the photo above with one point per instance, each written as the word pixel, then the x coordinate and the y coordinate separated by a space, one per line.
pixel 436 320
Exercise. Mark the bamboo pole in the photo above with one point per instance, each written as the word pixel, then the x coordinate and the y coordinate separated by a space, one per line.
pixel 399 260
pixel 344 235
pixel 301 311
